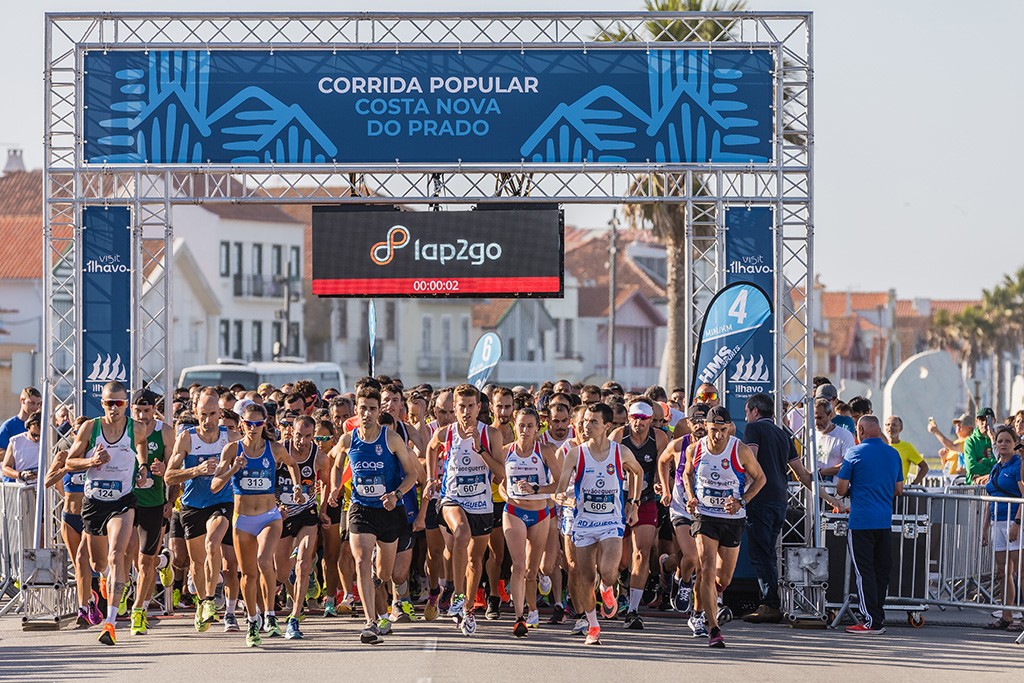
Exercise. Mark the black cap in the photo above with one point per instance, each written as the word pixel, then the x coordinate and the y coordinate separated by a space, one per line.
pixel 698 411
pixel 146 398
pixel 719 416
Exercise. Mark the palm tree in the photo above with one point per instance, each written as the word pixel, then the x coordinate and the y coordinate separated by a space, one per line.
pixel 668 222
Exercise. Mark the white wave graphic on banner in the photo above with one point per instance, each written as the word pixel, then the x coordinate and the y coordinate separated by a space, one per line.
pixel 749 371
pixel 105 370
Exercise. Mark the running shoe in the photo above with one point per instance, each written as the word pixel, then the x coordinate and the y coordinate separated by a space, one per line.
pixel 176 598
pixel 293 632
pixel 684 597
pixel 209 611
pixel 445 602
pixel 82 621
pixel 200 623
pixel 698 625
pixel 230 623
pixel 593 636
pixel 270 627
pixel 166 573
pixel 863 630
pixel 634 622
pixel 503 592
pixel 218 596
pixel 715 638
pixel 481 599
pixel 384 626
pixel 493 607
pixel 468 624
pixel 430 609
pixel 724 614
pixel 580 627
pixel 533 619
pixel 370 635
pixel 544 584
pixel 252 634
pixel 347 605
pixel 557 615
pixel 122 607
pixel 455 609
pixel 138 627
pixel 107 635
pixel 520 629
pixel 609 606
pixel 407 612
pixel 95 616
pixel 312 587
pixel 329 610
pixel 103 587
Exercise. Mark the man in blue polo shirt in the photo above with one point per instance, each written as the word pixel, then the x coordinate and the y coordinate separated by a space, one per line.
pixel 872 475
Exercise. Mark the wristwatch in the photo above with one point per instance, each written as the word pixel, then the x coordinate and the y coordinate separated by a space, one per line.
pixel 536 488
pixel 743 502
pixel 633 501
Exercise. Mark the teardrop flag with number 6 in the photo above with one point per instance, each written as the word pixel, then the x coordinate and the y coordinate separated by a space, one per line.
pixel 485 357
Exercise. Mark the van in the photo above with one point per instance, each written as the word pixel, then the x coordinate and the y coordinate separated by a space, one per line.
pixel 251 375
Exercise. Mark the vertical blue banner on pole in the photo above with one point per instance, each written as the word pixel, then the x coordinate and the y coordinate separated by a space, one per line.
pixel 106 302
pixel 750 257
pixel 371 329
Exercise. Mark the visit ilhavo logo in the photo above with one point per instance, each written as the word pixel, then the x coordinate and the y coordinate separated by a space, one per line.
pixel 398 237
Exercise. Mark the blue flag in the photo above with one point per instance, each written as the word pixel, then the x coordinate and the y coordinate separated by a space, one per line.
pixel 485 357
pixel 371 324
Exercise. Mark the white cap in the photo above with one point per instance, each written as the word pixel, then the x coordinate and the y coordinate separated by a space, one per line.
pixel 641 409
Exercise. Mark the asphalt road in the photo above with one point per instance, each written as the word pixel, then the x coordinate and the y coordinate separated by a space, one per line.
pixel 436 652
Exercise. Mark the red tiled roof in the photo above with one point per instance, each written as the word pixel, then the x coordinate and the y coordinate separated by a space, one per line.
pixel 586 262
pixel 833 304
pixel 21 257
pixel 907 307
pixel 21 193
pixel 487 315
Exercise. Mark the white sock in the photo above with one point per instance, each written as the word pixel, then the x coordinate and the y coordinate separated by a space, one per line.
pixel 270 613
pixel 635 595
pixel 558 604
pixel 112 613
pixel 592 618
pixel 145 605
pixel 230 605
pixel 254 618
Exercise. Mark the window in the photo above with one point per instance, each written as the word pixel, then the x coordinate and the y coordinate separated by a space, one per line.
pixel 568 338
pixel 225 339
pixel 294 341
pixel 389 320
pixel 464 333
pixel 257 340
pixel 341 314
pixel 446 334
pixel 257 259
pixel 238 258
pixel 225 259
pixel 276 340
pixel 237 349
pixel 295 263
pixel 276 259
pixel 364 320
pixel 512 348
pixel 427 331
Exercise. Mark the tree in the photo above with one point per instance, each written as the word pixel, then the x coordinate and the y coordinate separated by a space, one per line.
pixel 668 222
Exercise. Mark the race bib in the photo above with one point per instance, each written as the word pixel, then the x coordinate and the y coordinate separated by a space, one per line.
pixel 261 484
pixel 103 490
pixel 598 504
pixel 370 487
pixel 528 478
pixel 78 479
pixel 471 485
pixel 714 498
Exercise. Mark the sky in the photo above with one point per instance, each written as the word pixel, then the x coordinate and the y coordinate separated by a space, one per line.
pixel 915 162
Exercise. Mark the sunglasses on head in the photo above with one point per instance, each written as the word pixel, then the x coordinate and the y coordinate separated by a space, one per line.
pixel 114 402
pixel 704 398
pixel 254 424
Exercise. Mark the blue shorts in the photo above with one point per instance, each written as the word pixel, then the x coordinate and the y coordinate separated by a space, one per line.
pixel 529 517
pixel 73 521
pixel 254 524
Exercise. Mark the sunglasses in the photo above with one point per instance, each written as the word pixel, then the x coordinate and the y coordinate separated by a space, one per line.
pixel 704 398
pixel 254 424
pixel 642 418
pixel 114 402
pixel 34 436
pixel 284 423
pixel 321 439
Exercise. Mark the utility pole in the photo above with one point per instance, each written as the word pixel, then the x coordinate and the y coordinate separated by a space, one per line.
pixel 613 250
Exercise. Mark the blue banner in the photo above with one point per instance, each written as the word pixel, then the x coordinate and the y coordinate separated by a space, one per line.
pixel 750 257
pixel 371 325
pixel 618 105
pixel 106 302
pixel 485 357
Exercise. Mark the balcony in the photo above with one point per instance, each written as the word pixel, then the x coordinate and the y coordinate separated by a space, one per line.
pixel 262 286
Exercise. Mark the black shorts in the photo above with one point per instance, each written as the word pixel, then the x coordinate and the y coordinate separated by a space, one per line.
pixel 177 530
pixel 96 513
pixel 728 532
pixel 194 520
pixel 499 515
pixel 297 522
pixel 407 541
pixel 150 522
pixel 665 531
pixel 334 513
pixel 431 518
pixel 479 524
pixel 343 525
pixel 386 525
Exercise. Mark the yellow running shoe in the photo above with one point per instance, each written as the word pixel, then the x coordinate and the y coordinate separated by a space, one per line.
pixel 138 622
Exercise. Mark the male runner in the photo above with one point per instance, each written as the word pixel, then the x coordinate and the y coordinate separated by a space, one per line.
pixel 722 475
pixel 376 516
pixel 647 444
pixel 558 434
pixel 502 407
pixel 152 511
pixel 438 556
pixel 205 515
pixel 596 471
pixel 472 454
pixel 103 448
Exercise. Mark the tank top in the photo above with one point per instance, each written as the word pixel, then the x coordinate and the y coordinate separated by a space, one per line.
pixel 375 469
pixel 549 440
pixel 195 492
pixel 467 478
pixel 532 469
pixel 285 485
pixel 717 477
pixel 154 493
pixel 74 482
pixel 26 452
pixel 256 478
pixel 114 480
pixel 647 455
pixel 598 486
pixel 679 497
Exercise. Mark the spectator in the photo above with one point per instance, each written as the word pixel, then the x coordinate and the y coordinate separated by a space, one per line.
pixel 978 460
pixel 1001 528
pixel 952 452
pixel 872 475
pixel 831 440
pixel 830 393
pixel 21 461
pixel 909 455
pixel 31 401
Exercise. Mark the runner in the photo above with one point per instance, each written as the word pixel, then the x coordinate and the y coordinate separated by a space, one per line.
pixel 250 466
pixel 439 560
pixel 470 450
pixel 325 439
pixel 205 514
pixel 596 470
pixel 531 476
pixel 647 444
pixel 722 475
pixel 103 449
pixel 376 516
pixel 558 434
pixel 152 511
pixel 502 406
